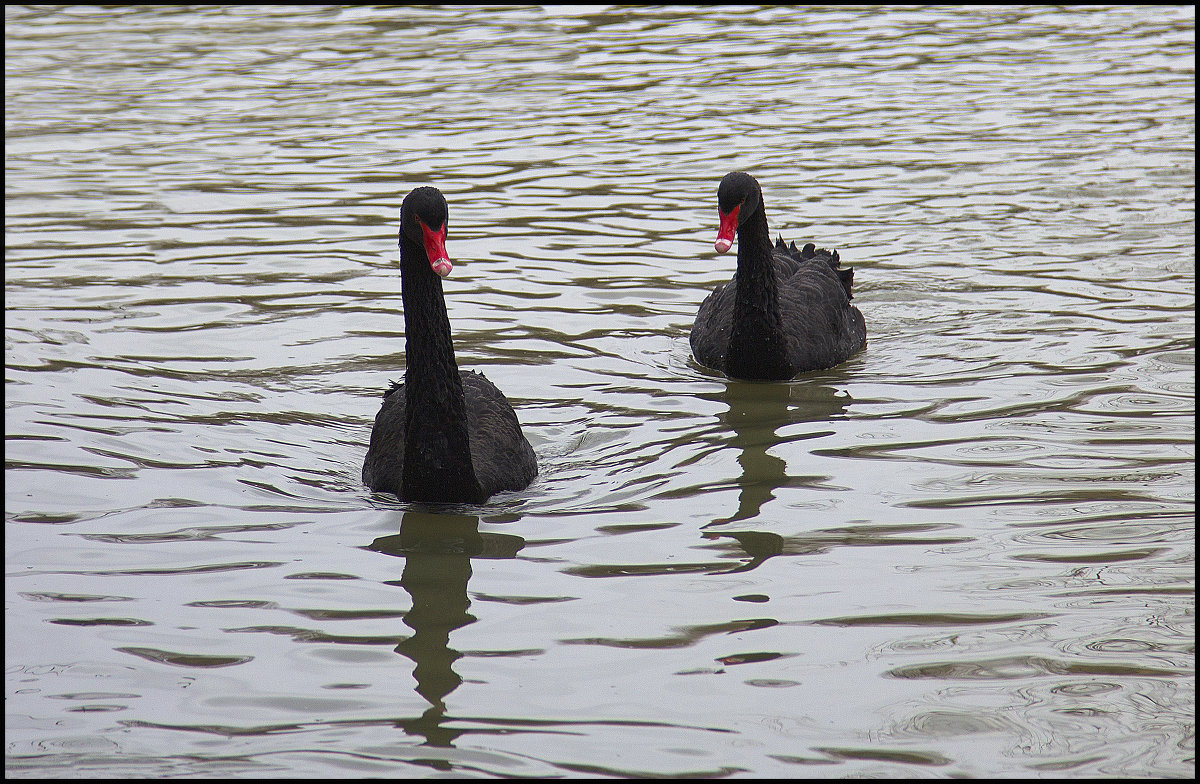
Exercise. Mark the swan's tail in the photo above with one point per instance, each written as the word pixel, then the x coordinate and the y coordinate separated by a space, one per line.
pixel 830 257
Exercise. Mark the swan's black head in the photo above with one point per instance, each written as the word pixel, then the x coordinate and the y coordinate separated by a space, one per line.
pixel 737 198
pixel 423 220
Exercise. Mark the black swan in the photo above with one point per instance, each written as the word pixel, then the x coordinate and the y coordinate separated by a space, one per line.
pixel 442 435
pixel 785 311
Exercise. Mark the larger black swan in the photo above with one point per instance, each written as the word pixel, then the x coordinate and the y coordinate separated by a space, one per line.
pixel 442 435
pixel 785 311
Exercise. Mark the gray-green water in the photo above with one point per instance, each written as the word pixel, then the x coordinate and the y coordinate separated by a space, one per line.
pixel 966 551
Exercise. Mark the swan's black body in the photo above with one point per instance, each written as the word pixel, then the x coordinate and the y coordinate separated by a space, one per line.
pixel 785 311
pixel 443 435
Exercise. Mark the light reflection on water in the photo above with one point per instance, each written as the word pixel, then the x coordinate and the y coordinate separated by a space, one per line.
pixel 966 551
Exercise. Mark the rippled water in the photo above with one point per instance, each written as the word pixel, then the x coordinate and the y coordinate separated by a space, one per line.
pixel 966 551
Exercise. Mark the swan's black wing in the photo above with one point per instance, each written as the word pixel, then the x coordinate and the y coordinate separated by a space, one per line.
pixel 383 468
pixel 822 327
pixel 500 453
pixel 713 326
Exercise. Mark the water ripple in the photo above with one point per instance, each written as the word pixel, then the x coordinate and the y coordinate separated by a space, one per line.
pixel 203 307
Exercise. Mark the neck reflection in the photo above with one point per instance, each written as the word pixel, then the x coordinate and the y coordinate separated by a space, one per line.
pixel 757 411
pixel 438 549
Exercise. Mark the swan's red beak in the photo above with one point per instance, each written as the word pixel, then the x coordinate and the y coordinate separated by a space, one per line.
pixel 729 224
pixel 435 249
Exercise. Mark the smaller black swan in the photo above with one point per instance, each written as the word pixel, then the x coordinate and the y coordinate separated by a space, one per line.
pixel 785 311
pixel 443 435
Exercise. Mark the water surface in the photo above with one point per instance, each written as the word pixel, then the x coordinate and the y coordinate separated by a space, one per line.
pixel 967 551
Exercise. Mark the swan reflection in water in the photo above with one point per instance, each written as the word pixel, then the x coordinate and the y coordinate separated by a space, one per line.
pixel 756 412
pixel 437 551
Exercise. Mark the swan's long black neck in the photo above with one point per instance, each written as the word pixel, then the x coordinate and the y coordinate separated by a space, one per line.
pixel 757 343
pixel 437 448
